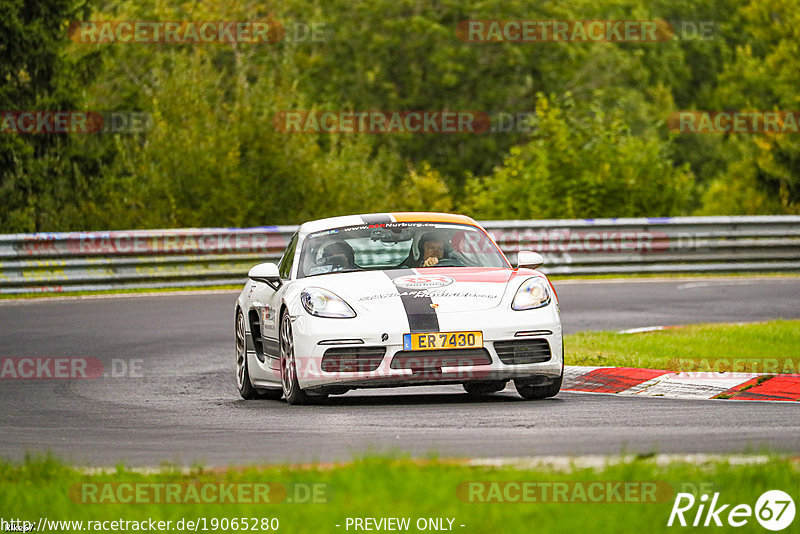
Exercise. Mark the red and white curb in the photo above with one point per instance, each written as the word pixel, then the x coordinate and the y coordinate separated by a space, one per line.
pixel 701 385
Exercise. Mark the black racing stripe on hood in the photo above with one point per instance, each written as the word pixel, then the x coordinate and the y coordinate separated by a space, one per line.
pixel 421 316
pixel 376 219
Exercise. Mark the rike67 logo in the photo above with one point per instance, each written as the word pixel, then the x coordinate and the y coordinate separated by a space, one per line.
pixel 774 510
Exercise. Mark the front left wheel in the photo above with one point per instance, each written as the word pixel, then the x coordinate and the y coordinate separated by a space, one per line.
pixel 291 388
pixel 533 390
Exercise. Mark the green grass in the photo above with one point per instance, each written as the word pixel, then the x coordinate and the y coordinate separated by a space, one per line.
pixel 693 347
pixel 385 487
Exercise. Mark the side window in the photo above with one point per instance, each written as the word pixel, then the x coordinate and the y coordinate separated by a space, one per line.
pixel 285 267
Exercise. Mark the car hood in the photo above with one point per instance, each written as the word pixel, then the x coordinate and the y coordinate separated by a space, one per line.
pixel 449 290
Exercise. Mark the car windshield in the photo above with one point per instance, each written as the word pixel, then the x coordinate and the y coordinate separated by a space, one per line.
pixel 378 247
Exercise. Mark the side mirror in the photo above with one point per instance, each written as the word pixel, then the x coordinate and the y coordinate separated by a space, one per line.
pixel 529 259
pixel 266 273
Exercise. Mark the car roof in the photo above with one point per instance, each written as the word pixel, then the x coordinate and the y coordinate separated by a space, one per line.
pixel 376 218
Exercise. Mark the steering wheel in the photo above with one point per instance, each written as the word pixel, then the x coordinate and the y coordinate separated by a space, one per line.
pixel 448 262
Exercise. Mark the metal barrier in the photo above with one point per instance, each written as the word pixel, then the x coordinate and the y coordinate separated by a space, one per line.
pixel 81 261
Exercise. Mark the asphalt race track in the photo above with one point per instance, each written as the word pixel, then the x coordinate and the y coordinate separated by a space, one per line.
pixel 181 403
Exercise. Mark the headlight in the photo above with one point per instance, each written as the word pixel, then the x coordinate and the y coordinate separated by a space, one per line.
pixel 323 303
pixel 534 293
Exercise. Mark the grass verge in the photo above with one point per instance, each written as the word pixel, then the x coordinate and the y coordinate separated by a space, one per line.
pixel 770 347
pixel 398 488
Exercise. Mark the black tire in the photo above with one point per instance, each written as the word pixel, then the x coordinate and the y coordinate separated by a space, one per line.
pixel 477 389
pixel 271 394
pixel 534 392
pixel 291 389
pixel 246 389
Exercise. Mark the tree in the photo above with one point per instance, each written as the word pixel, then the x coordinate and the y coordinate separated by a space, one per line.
pixel 581 163
pixel 764 75
pixel 45 179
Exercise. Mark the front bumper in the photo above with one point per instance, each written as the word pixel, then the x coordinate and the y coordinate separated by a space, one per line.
pixel 314 336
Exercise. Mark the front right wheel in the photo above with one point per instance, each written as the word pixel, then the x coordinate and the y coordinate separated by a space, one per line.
pixel 246 389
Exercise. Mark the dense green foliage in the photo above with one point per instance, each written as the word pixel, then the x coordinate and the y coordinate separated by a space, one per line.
pixel 550 176
pixel 598 146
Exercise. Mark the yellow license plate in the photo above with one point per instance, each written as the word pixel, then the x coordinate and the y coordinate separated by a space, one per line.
pixel 442 340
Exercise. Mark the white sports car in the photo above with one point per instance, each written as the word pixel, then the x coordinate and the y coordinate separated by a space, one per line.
pixel 396 299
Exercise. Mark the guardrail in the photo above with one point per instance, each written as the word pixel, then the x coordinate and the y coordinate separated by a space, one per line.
pixel 81 261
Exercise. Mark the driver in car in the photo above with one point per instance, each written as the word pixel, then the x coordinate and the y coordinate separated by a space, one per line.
pixel 431 248
pixel 339 255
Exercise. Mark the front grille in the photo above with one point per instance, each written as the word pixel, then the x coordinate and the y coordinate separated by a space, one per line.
pixel 432 359
pixel 523 351
pixel 352 359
